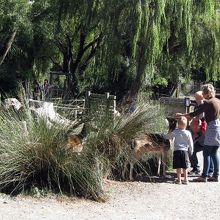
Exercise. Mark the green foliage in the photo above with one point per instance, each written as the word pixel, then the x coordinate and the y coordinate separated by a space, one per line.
pixel 39 158
pixel 15 59
pixel 116 45
pixel 13 14
pixel 113 140
pixel 36 159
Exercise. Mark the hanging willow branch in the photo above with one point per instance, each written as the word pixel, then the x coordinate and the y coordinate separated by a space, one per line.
pixel 146 32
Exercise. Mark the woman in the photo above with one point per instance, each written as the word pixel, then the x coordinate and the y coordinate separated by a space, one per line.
pixel 211 108
pixel 46 89
pixel 37 91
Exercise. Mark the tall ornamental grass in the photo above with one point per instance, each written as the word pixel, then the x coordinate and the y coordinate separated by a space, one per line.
pixel 37 157
pixel 113 139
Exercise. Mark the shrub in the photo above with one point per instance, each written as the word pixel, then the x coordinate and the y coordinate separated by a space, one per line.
pixel 113 140
pixel 37 157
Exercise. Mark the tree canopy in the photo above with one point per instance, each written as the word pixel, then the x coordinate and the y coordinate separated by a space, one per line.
pixel 110 45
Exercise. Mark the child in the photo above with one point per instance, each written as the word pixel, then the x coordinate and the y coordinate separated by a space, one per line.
pixel 183 147
pixel 197 129
pixel 46 87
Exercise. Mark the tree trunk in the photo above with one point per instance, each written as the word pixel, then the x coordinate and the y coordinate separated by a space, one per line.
pixel 141 65
pixel 8 47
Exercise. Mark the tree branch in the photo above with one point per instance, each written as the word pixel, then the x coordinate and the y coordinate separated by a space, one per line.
pixel 8 46
pixel 80 52
pixel 55 63
pixel 92 52
pixel 91 44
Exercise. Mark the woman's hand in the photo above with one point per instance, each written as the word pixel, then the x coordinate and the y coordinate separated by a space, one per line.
pixel 178 115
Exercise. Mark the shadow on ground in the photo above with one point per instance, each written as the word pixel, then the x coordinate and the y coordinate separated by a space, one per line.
pixel 169 178
pixel 149 175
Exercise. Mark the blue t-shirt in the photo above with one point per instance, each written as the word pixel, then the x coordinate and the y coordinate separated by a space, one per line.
pixel 182 139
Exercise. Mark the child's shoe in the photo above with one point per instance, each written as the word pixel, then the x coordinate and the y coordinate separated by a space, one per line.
pixel 185 182
pixel 177 182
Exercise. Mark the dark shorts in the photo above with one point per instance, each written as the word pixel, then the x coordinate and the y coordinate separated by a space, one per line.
pixel 180 159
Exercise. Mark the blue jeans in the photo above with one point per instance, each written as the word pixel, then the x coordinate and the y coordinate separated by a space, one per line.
pixel 194 159
pixel 210 152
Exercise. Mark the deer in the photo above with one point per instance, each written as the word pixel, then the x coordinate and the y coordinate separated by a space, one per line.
pixel 148 144
pixel 74 143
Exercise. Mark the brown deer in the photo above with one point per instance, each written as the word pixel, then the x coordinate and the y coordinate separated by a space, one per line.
pixel 152 143
pixel 74 143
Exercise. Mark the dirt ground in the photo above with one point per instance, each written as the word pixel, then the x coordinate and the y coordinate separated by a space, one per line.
pixel 127 200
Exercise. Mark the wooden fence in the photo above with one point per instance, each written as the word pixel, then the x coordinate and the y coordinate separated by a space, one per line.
pixel 93 107
pixel 100 105
pixel 97 106
pixel 72 109
pixel 173 105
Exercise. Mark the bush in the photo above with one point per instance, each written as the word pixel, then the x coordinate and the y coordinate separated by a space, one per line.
pixel 113 140
pixel 38 157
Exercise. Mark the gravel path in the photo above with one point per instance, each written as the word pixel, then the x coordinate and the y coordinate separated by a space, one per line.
pixel 127 200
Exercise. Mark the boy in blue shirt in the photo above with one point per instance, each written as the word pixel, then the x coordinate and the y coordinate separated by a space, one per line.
pixel 183 147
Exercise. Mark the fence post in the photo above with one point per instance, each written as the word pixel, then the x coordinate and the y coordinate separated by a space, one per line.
pixel 87 103
pixel 114 107
pixel 187 104
pixel 75 114
pixel 107 103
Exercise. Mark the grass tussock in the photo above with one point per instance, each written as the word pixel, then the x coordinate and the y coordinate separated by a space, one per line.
pixel 113 140
pixel 37 157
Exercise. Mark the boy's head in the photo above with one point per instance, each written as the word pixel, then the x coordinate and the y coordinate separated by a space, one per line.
pixel 182 122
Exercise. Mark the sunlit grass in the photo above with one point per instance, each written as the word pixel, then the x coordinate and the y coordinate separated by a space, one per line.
pixel 33 154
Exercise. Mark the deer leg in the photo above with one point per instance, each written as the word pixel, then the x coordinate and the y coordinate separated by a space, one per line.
pixel 131 170
pixel 124 170
pixel 159 164
pixel 164 162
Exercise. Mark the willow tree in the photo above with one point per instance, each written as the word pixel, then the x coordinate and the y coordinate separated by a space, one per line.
pixel 111 44
pixel 144 37
pixel 124 45
pixel 15 34
pixel 203 56
pixel 68 34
